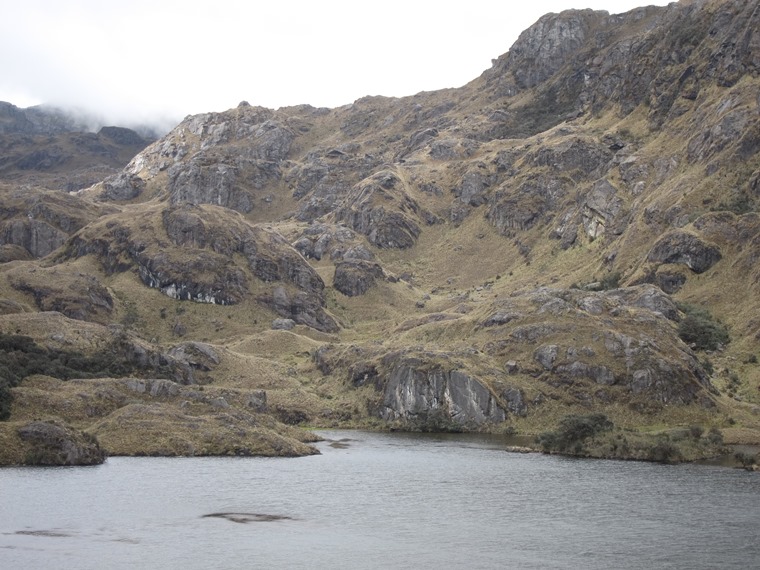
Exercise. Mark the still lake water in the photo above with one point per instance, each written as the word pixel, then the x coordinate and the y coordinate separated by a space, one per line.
pixel 381 501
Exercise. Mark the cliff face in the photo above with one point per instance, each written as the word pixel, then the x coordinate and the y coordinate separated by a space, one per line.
pixel 540 241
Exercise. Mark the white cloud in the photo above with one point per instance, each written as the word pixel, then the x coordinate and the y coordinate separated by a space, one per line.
pixel 141 60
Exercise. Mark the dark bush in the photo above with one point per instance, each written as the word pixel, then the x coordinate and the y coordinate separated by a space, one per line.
pixel 573 430
pixel 434 421
pixel 610 281
pixel 664 452
pixel 746 460
pixel 700 330
pixel 5 399
pixel 715 436
pixel 696 431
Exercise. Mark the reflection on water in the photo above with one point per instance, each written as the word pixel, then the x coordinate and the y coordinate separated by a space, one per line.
pixel 380 501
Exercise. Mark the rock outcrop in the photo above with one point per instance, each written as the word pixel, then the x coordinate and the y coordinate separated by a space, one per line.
pixel 76 295
pixel 356 277
pixel 684 248
pixel 202 266
pixel 54 443
pixel 418 394
pixel 381 209
pixel 40 221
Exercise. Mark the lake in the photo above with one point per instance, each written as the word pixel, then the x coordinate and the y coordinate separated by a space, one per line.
pixel 380 500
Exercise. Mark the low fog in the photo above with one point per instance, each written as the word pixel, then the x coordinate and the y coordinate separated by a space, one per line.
pixel 139 62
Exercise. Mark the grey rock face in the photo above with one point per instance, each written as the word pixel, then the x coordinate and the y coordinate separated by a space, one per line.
pixel 520 208
pixel 38 237
pixel 578 369
pixel 301 307
pixel 581 157
pixel 545 47
pixel 600 209
pixel 412 393
pixel 647 297
pixel 203 264
pixel 335 241
pixel 283 324
pixel 208 184
pixel 501 317
pixel 471 189
pixel 515 400
pixel 157 388
pixel 670 281
pixel 450 149
pixel 196 355
pixel 546 355
pixel 40 221
pixel 122 187
pixel 685 248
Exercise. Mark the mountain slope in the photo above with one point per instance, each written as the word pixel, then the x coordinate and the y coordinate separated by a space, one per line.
pixel 535 243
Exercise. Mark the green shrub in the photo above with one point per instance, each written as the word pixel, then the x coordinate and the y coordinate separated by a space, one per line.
pixel 664 452
pixel 696 431
pixel 740 203
pixel 715 436
pixel 610 281
pixel 700 330
pixel 434 421
pixel 572 431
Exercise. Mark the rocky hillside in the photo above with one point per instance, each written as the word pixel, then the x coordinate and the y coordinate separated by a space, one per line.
pixel 565 234
pixel 50 148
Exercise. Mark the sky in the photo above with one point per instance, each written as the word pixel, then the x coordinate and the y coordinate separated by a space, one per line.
pixel 148 61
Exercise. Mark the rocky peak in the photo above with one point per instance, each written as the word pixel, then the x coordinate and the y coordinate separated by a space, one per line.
pixel 546 46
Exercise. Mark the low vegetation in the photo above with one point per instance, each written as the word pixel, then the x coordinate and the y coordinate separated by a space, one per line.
pixel 594 435
pixel 21 356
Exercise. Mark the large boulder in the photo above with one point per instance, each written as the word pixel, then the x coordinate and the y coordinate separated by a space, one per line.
pixel 54 443
pixel 356 277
